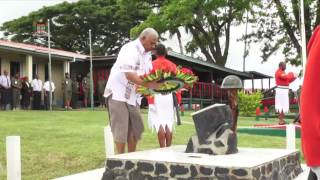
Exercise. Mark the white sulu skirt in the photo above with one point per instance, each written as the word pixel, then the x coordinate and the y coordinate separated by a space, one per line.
pixel 282 99
pixel 161 113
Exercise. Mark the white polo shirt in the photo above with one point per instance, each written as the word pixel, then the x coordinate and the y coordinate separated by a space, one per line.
pixel 5 81
pixel 131 58
pixel 46 86
pixel 36 85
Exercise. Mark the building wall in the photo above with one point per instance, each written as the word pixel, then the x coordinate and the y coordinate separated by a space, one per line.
pixel 57 75
pixel 57 78
pixel 6 58
pixel 57 70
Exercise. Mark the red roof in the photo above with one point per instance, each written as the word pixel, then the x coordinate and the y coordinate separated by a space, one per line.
pixel 40 49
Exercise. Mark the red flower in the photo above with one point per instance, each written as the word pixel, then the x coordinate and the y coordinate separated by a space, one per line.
pixel 164 65
pixel 186 71
pixel 152 71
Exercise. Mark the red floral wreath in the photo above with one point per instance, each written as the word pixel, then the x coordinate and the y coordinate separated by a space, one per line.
pixel 173 78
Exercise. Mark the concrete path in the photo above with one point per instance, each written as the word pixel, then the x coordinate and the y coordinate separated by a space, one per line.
pixel 95 174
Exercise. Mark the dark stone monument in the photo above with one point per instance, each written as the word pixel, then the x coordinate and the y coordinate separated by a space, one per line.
pixel 214 135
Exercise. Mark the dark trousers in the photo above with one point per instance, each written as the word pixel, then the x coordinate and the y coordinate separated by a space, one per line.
pixel 25 101
pixel 47 100
pixel 312 175
pixel 101 99
pixel 74 100
pixel 5 97
pixel 36 103
pixel 15 97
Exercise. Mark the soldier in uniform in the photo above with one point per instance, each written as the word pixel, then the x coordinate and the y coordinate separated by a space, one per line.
pixel 16 85
pixel 101 84
pixel 283 80
pixel 86 89
pixel 26 92
pixel 67 91
pixel 75 92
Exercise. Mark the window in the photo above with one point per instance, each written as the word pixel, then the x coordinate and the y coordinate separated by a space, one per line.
pixel 14 68
pixel 34 70
pixel 46 72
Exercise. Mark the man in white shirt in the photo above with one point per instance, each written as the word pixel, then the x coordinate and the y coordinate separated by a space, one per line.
pixel 5 83
pixel 134 60
pixel 46 92
pixel 36 85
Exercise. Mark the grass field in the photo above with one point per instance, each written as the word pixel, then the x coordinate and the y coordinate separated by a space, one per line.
pixel 60 143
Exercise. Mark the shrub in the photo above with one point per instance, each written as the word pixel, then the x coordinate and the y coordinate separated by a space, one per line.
pixel 249 102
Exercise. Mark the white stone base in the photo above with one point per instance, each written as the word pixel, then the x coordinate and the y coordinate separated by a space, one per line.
pixel 173 162
pixel 247 157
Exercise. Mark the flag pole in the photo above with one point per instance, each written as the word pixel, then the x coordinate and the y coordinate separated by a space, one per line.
pixel 245 47
pixel 91 77
pixel 49 66
pixel 303 39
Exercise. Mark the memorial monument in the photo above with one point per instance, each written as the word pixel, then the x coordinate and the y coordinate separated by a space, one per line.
pixel 211 154
pixel 214 135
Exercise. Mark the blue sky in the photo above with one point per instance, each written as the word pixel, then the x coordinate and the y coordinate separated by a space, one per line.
pixel 12 9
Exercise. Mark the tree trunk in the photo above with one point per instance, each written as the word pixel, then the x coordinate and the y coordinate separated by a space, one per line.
pixel 289 29
pixel 179 41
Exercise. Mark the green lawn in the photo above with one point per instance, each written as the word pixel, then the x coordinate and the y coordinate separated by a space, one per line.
pixel 60 143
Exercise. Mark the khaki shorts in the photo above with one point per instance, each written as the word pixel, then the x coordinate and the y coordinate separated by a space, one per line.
pixel 67 95
pixel 85 94
pixel 125 119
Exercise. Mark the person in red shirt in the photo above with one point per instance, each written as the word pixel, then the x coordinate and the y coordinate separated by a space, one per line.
pixel 309 104
pixel 161 115
pixel 282 97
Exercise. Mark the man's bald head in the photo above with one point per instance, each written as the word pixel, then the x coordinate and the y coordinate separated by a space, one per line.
pixel 149 38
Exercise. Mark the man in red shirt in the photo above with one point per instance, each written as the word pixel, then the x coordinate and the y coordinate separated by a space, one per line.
pixel 309 104
pixel 282 97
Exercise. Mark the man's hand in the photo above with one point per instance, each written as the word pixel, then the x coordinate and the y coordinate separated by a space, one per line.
pixel 133 77
pixel 153 85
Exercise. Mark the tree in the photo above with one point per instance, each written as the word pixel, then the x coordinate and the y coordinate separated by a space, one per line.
pixel 277 25
pixel 110 22
pixel 209 22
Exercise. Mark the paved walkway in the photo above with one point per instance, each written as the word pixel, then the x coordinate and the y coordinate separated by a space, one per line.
pixel 95 174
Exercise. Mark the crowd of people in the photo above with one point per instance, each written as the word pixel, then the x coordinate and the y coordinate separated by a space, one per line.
pixel 19 93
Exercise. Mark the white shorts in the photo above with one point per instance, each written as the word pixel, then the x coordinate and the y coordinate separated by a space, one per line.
pixel 282 100
pixel 161 113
